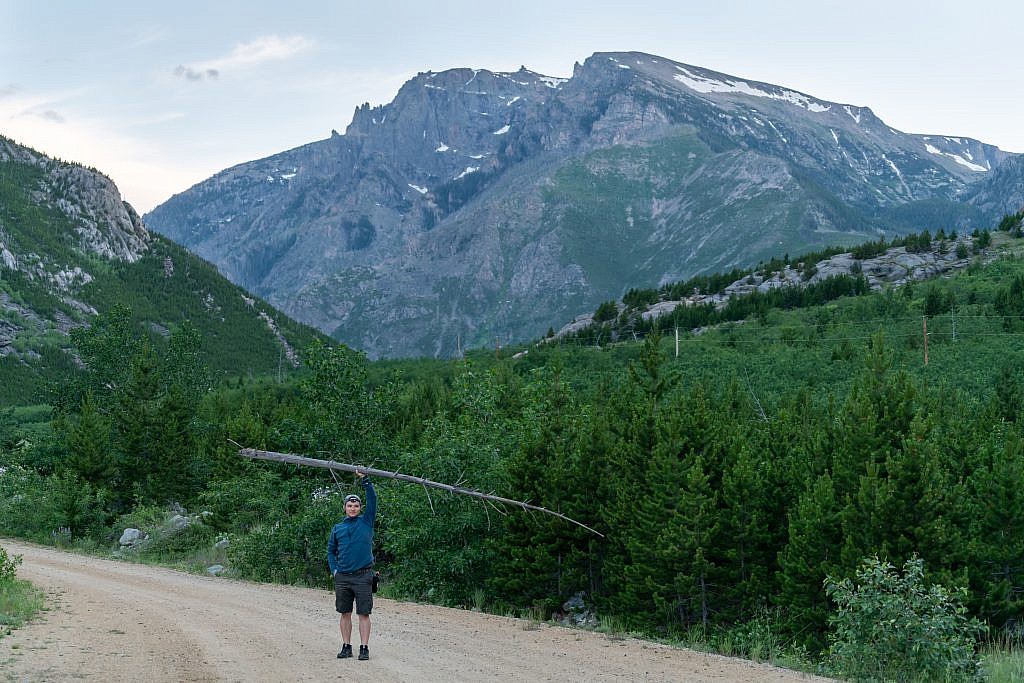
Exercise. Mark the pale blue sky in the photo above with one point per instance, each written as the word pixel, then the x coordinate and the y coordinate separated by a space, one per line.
pixel 160 96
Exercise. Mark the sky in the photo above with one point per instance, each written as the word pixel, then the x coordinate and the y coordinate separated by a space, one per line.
pixel 160 96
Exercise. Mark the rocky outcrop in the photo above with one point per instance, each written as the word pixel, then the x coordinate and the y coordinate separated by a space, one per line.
pixel 104 224
pixel 893 268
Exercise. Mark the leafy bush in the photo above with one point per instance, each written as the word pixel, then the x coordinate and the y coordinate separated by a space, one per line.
pixel 290 547
pixel 8 566
pixel 892 627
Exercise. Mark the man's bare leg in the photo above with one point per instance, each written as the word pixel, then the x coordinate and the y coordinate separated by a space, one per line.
pixel 346 627
pixel 364 628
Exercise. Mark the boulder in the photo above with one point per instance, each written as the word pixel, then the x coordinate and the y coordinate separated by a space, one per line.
pixel 576 613
pixel 177 522
pixel 130 537
pixel 215 570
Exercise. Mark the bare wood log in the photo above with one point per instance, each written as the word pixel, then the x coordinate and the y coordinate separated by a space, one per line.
pixel 255 454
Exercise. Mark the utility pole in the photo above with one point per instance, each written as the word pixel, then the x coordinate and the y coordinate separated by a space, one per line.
pixel 677 342
pixel 458 345
pixel 497 347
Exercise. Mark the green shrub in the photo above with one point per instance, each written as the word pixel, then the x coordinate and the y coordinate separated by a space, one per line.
pixel 172 544
pixel 8 566
pixel 290 546
pixel 892 627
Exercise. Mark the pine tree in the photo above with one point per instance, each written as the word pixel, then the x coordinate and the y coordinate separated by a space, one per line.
pixel 995 547
pixel 631 415
pixel 544 561
pixel 171 474
pixel 136 420
pixel 811 554
pixel 89 447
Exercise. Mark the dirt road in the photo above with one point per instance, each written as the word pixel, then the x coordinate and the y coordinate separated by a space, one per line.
pixel 113 621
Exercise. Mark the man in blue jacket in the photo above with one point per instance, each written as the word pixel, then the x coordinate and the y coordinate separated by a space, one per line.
pixel 350 556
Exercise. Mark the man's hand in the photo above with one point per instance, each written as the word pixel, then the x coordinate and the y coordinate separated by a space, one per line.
pixel 360 474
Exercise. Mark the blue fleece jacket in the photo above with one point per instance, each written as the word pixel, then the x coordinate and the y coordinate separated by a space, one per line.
pixel 350 546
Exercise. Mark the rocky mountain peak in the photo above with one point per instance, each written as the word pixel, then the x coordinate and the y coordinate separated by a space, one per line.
pixel 478 204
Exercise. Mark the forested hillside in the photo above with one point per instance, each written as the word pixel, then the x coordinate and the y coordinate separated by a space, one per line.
pixel 71 249
pixel 730 479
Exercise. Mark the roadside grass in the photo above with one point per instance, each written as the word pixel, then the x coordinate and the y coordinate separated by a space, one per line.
pixel 1004 666
pixel 19 602
pixel 1002 660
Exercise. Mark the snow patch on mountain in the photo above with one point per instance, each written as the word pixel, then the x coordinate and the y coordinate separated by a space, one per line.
pixel 552 81
pixel 932 149
pixel 778 131
pixel 704 84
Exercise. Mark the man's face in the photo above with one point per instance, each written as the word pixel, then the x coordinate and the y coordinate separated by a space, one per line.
pixel 352 508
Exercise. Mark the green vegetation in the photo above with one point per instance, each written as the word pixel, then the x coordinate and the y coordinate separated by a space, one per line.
pixel 165 290
pixel 740 484
pixel 19 601
pixel 890 626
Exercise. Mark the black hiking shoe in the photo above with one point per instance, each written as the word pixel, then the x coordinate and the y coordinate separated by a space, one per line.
pixel 346 651
pixel 364 653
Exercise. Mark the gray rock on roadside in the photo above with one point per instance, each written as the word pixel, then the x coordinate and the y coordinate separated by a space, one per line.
pixel 130 537
pixel 177 522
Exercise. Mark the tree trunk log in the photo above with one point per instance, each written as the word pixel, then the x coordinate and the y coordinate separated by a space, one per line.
pixel 254 454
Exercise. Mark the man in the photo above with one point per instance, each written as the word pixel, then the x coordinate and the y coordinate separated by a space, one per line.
pixel 350 556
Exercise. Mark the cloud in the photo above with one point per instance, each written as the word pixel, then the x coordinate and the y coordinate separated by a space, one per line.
pixel 47 115
pixel 256 52
pixel 9 89
pixel 191 74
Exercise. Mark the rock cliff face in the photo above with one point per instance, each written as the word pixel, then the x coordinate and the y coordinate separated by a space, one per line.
pixel 104 225
pixel 1002 192
pixel 478 205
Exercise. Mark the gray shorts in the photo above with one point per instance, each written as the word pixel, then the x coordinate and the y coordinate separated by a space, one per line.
pixel 349 587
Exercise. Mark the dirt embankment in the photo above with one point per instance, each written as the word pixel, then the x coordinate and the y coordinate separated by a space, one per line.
pixel 111 621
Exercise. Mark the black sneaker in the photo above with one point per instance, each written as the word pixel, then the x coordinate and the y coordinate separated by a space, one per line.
pixel 364 652
pixel 346 651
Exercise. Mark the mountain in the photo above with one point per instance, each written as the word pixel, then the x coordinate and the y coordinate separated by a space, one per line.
pixel 70 248
pixel 1002 192
pixel 480 205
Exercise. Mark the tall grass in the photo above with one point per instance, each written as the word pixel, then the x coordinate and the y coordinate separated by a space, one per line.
pixel 1002 659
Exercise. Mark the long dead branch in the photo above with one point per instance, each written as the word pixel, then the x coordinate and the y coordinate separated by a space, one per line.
pixel 255 454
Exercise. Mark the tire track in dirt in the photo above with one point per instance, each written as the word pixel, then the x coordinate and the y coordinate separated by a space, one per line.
pixel 115 621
